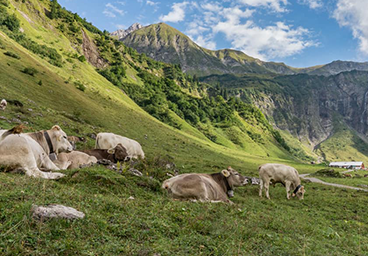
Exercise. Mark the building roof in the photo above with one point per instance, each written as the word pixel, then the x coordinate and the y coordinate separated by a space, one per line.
pixel 346 163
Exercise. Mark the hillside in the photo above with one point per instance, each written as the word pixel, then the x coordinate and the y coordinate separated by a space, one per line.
pixel 56 68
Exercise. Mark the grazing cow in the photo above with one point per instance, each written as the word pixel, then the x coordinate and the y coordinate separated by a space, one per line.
pixel 116 154
pixel 30 151
pixel 216 187
pixel 3 104
pixel 110 140
pixel 74 160
pixel 280 173
pixel 74 139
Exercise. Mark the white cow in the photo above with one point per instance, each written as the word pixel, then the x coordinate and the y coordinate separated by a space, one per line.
pixel 280 173
pixel 30 151
pixel 74 160
pixel 110 140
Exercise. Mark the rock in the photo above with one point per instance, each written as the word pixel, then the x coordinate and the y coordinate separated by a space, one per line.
pixel 131 198
pixel 30 110
pixel 55 211
pixel 135 172
pixel 362 185
pixel 92 135
pixel 15 120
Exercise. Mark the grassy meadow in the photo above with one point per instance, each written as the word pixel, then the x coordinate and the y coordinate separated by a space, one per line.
pixel 330 221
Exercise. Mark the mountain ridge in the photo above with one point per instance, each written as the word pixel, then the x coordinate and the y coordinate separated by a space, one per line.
pixel 194 59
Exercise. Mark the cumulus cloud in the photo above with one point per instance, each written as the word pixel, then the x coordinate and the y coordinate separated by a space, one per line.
pixel 111 11
pixel 353 14
pixel 275 5
pixel 313 4
pixel 177 13
pixel 276 41
pixel 237 23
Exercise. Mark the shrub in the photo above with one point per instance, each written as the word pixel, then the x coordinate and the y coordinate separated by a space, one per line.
pixel 13 55
pixel 40 82
pixel 11 22
pixel 82 58
pixel 30 71
pixel 80 86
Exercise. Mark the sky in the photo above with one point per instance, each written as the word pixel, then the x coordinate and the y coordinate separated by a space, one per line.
pixel 300 33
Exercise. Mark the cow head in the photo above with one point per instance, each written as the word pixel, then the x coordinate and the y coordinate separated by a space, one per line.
pixel 234 179
pixel 299 193
pixel 120 153
pixel 59 140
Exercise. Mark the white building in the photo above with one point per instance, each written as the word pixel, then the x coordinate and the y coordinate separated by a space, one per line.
pixel 347 165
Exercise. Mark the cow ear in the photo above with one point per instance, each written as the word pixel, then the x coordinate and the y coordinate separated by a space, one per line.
pixel 111 151
pixel 56 127
pixel 226 173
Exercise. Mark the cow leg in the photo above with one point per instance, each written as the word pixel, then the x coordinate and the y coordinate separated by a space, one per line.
pixel 287 185
pixel 36 173
pixel 260 187
pixel 267 188
pixel 48 164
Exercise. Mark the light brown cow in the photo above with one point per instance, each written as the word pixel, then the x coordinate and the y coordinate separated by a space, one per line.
pixel 74 139
pixel 280 173
pixel 30 151
pixel 74 160
pixel 216 187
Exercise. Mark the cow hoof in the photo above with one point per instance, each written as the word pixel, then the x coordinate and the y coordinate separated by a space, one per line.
pixel 55 175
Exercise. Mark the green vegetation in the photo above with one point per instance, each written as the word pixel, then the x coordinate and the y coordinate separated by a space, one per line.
pixel 13 55
pixel 30 71
pixel 152 222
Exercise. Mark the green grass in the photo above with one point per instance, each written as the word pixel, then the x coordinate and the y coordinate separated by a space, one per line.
pixel 329 221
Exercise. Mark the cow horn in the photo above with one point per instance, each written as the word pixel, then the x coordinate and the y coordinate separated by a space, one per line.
pixel 56 127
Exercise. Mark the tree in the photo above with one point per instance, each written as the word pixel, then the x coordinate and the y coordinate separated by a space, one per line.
pixel 54 9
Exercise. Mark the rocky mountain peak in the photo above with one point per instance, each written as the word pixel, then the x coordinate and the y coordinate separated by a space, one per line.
pixel 122 33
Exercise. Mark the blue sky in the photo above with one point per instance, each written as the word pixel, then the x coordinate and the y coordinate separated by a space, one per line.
pixel 301 33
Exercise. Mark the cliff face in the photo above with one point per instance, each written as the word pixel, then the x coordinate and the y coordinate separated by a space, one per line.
pixel 310 112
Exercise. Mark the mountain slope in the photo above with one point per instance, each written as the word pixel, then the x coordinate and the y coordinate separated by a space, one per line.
pixel 164 43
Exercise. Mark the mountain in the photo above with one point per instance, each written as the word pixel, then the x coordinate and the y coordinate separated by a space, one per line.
pixel 122 33
pixel 164 43
pixel 57 68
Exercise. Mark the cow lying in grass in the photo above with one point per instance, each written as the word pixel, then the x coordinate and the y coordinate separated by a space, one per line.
pixel 115 154
pixel 30 151
pixel 74 160
pixel 216 187
pixel 280 173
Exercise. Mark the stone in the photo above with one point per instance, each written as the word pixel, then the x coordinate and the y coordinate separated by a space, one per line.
pixel 55 211
pixel 135 172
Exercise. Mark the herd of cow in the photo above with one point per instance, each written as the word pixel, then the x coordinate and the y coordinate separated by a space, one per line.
pixel 53 150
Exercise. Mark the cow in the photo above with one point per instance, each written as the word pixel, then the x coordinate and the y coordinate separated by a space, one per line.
pixel 216 187
pixel 3 104
pixel 74 139
pixel 74 160
pixel 116 154
pixel 280 173
pixel 30 151
pixel 110 140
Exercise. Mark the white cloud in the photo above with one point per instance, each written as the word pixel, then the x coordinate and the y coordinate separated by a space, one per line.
pixel 177 13
pixel 111 11
pixel 109 14
pixel 151 3
pixel 313 4
pixel 275 5
pixel 276 41
pixel 205 42
pixel 353 14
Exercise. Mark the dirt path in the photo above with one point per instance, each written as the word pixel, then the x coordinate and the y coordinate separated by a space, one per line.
pixel 315 180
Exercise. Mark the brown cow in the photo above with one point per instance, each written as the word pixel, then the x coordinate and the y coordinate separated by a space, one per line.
pixel 216 187
pixel 116 154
